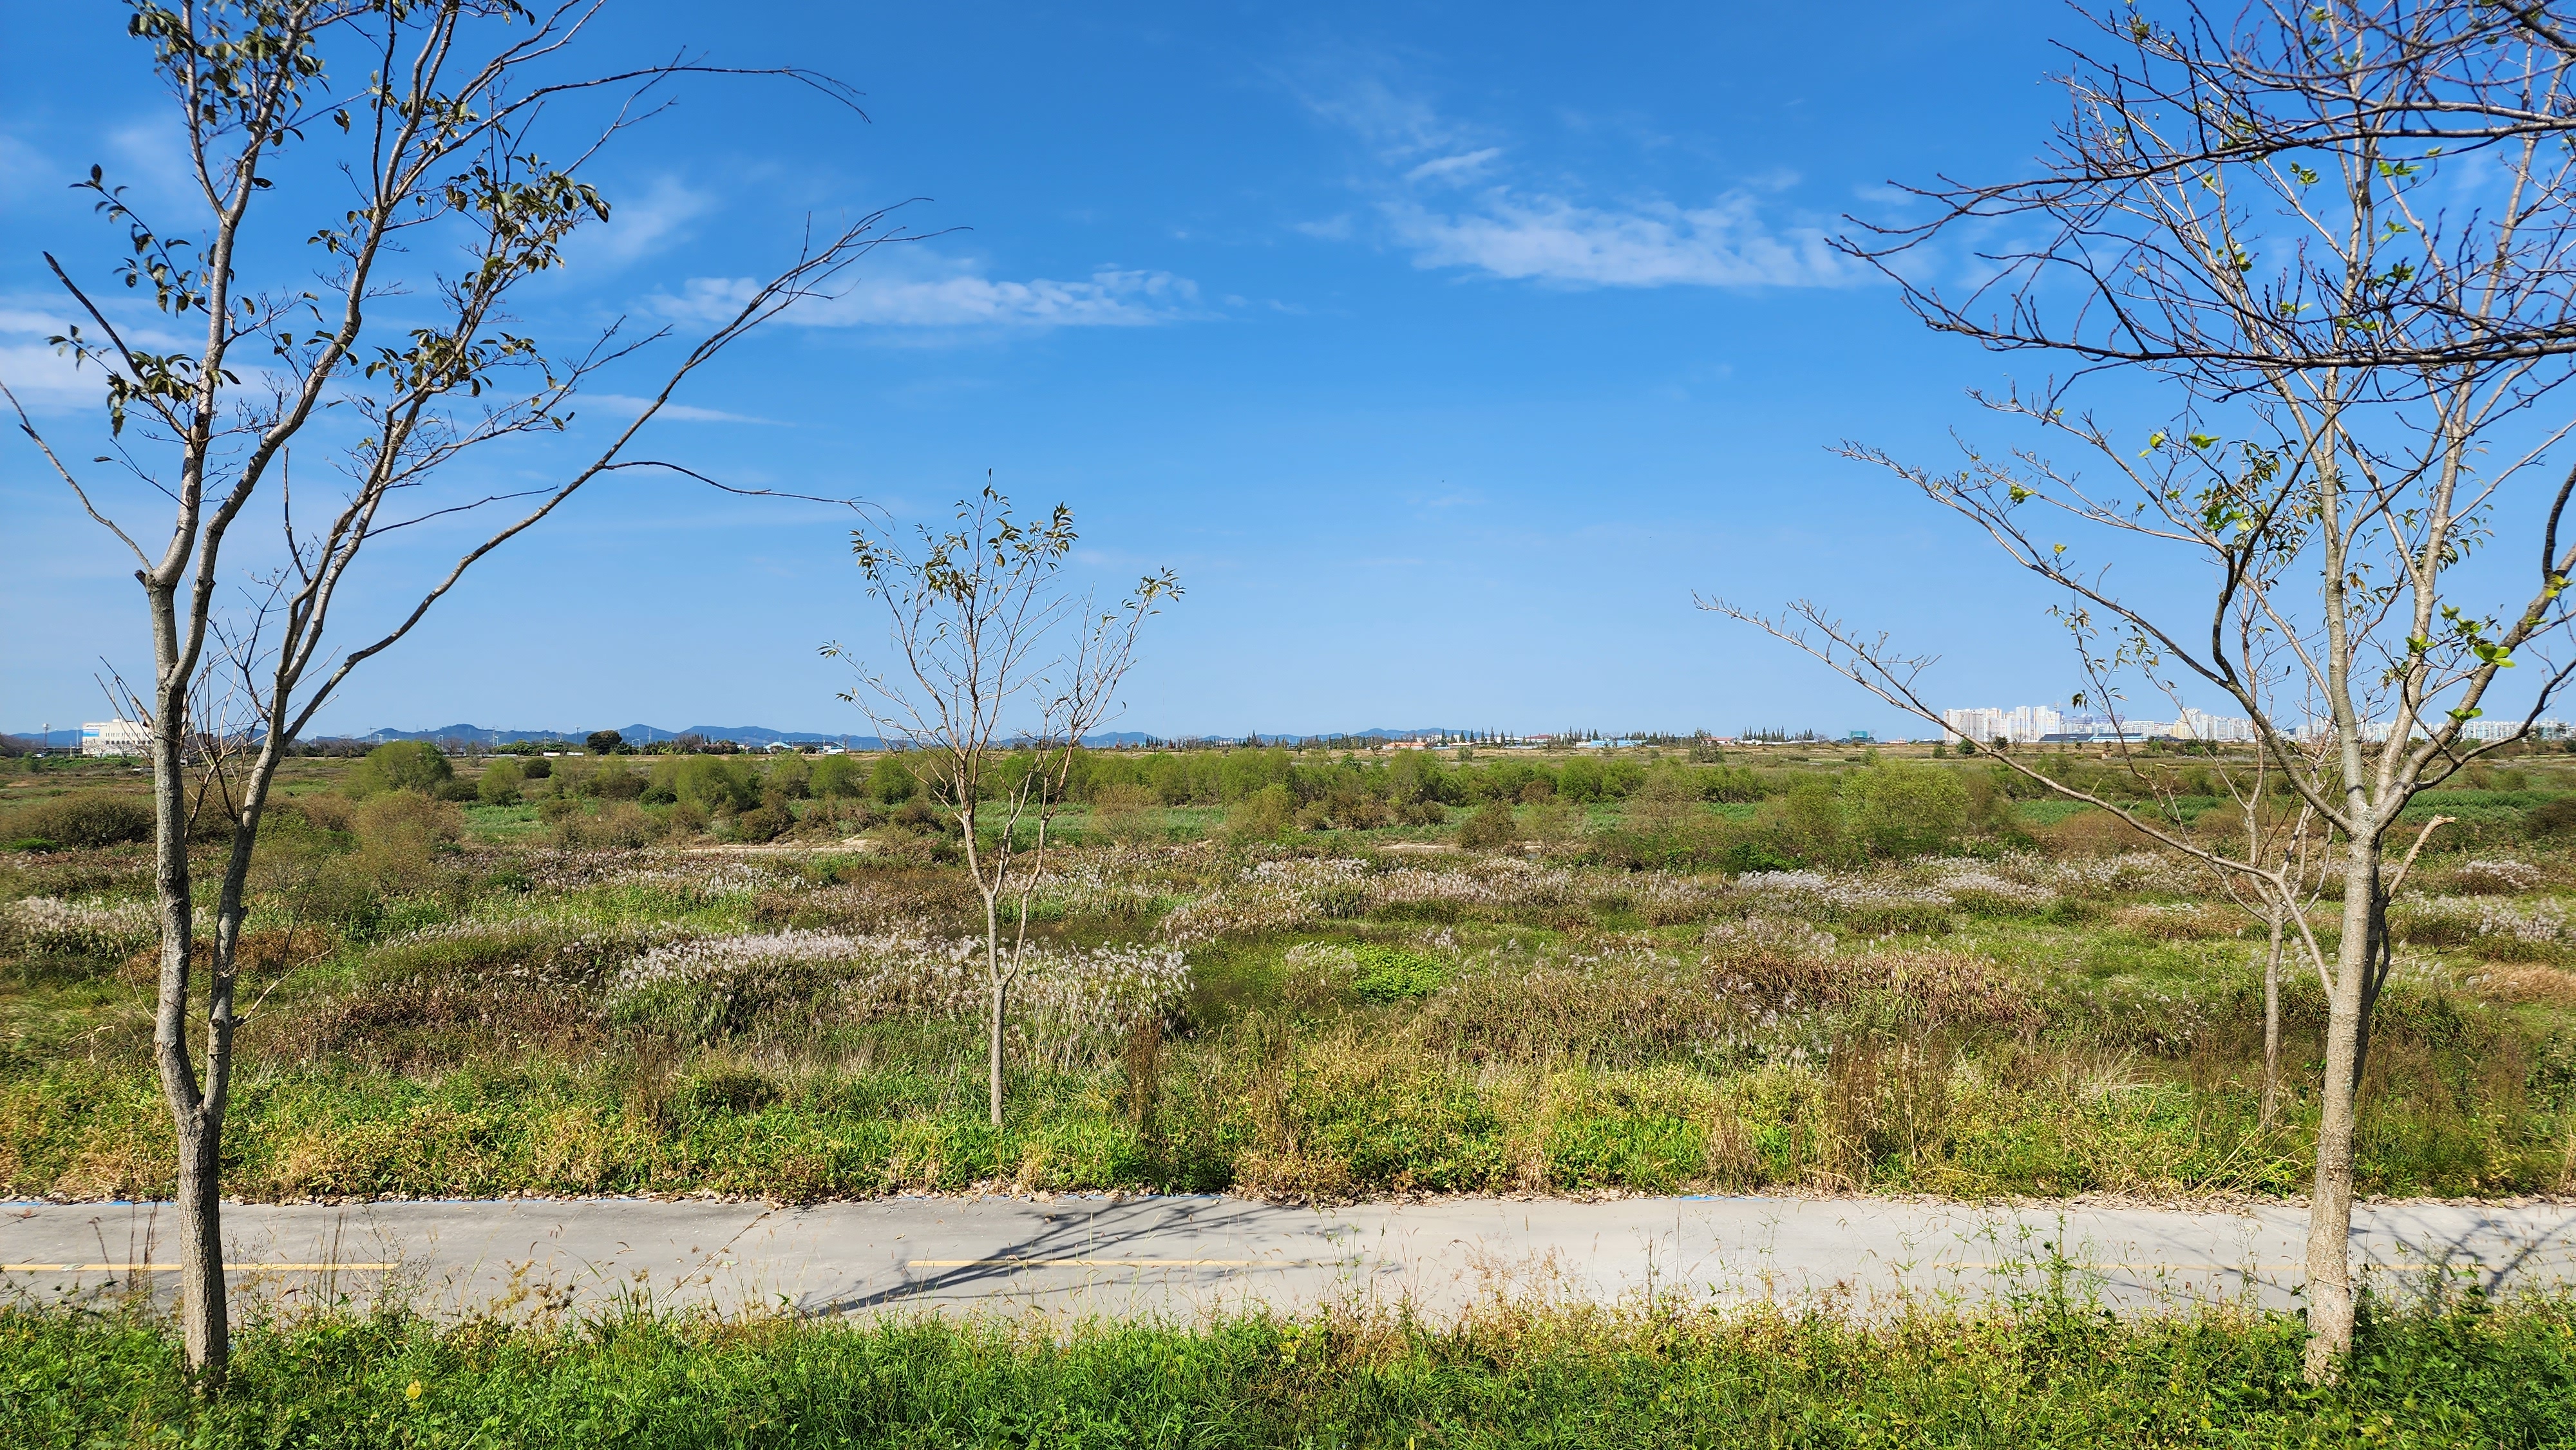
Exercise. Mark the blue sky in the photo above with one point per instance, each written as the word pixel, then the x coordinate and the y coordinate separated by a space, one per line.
pixel 1443 350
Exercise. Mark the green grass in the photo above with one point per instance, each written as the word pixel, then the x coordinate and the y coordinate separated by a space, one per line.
pixel 454 1064
pixel 503 823
pixel 2045 1374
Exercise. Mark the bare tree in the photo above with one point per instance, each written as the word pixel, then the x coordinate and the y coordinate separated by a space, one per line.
pixel 429 113
pixel 2339 237
pixel 972 615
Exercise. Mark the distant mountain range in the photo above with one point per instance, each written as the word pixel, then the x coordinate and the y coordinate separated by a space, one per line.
pixel 69 738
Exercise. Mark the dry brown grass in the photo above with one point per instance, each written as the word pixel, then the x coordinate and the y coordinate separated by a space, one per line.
pixel 258 953
pixel 2092 833
pixel 2198 922
pixel 2544 986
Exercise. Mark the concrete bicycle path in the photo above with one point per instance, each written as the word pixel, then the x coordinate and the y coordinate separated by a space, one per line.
pixel 1188 1257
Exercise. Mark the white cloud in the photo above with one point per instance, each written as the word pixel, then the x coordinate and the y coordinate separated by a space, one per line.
pixel 1451 197
pixel 1398 127
pixel 623 406
pixel 154 151
pixel 1459 168
pixel 1650 244
pixel 45 380
pixel 1112 297
pixel 643 225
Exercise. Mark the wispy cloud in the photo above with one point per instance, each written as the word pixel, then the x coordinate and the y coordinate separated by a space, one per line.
pixel 1647 244
pixel 1450 193
pixel 622 406
pixel 964 298
pixel 45 378
pixel 642 225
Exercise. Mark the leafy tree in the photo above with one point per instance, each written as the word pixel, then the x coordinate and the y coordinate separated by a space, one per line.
pixel 500 783
pixel 989 647
pixel 2332 250
pixel 366 127
pixel 604 742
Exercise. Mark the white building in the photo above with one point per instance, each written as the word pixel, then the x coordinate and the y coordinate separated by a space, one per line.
pixel 114 737
pixel 2201 725
pixel 2019 725
pixel 1980 725
pixel 2507 728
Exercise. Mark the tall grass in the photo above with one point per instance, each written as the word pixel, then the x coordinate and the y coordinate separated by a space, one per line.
pixel 1320 1025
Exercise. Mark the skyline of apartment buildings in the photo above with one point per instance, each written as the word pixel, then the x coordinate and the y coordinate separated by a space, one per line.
pixel 2037 724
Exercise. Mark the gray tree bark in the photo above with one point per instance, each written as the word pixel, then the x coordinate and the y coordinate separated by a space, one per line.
pixel 2330 1294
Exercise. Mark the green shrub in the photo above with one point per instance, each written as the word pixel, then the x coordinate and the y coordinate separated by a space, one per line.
pixel 2552 817
pixel 1489 827
pixel 1894 810
pixel 615 781
pixel 414 765
pixel 500 783
pixel 1266 815
pixel 1805 824
pixel 892 782
pixel 1395 974
pixel 837 777
pixel 82 819
pixel 763 823
pixel 400 833
pixel 712 783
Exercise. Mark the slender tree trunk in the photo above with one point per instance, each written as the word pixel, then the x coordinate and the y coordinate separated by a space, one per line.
pixel 993 1059
pixel 2272 1026
pixel 206 1331
pixel 994 1010
pixel 2330 1297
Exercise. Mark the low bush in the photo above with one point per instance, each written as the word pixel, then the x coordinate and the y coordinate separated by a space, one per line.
pixel 763 823
pixel 1265 815
pixel 837 777
pixel 1394 974
pixel 414 765
pixel 82 819
pixel 1490 826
